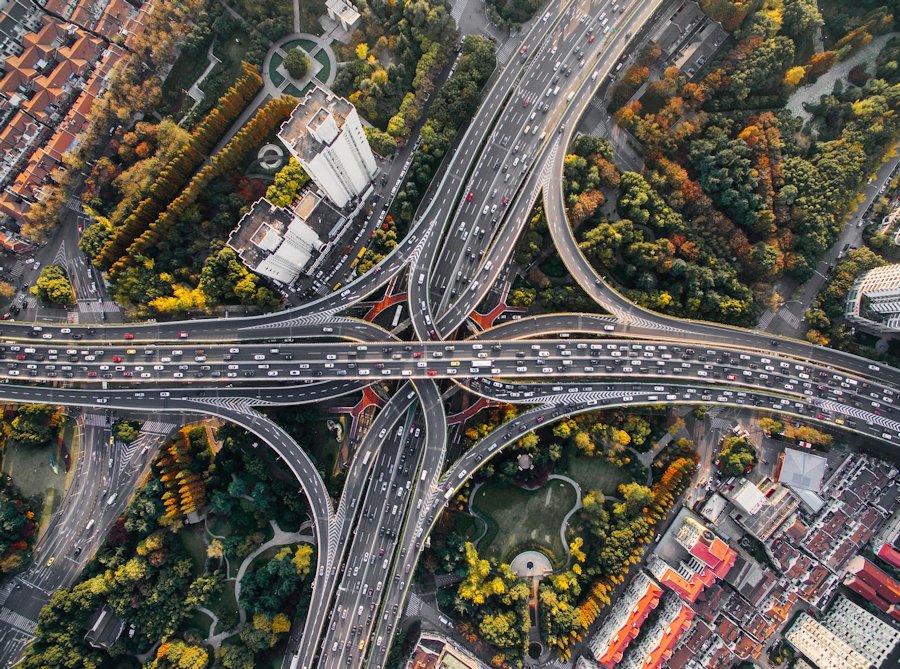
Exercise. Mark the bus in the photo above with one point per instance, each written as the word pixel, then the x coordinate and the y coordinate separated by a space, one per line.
pixel 358 257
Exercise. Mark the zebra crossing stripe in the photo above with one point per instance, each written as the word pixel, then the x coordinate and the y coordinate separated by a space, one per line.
pixel 18 621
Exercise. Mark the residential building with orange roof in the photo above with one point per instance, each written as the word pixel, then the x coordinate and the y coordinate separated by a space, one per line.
pixel 82 53
pixel 871 583
pixel 655 649
pixel 685 581
pixel 115 16
pixel 17 19
pixel 704 545
pixel 890 555
pixel 625 619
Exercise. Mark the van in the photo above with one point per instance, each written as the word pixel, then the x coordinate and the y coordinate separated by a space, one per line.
pixel 90 525
pixel 112 499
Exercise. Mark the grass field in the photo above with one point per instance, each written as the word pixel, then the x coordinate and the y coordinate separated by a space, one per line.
pixel 516 516
pixel 32 469
pixel 193 543
pixel 597 474
pixel 322 74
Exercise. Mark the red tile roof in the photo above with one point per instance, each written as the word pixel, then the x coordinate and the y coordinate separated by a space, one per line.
pixel 890 555
pixel 632 626
pixel 887 588
pixel 673 633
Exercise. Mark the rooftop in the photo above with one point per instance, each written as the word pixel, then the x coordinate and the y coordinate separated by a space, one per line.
pixel 803 470
pixel 315 123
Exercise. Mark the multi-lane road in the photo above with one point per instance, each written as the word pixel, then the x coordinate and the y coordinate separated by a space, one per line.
pixel 457 251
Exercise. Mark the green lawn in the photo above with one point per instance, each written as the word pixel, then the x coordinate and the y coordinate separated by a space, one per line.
pixel 36 471
pixel 277 59
pixel 322 57
pixel 290 89
pixel 182 76
pixel 516 517
pixel 226 603
pixel 596 474
pixel 194 544
pixel 305 44
pixel 199 621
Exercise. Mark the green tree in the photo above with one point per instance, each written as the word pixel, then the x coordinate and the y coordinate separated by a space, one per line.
pixel 53 286
pixel 736 456
pixel 296 62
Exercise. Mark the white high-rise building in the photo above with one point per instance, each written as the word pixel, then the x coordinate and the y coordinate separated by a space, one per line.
pixel 873 301
pixel 870 636
pixel 325 135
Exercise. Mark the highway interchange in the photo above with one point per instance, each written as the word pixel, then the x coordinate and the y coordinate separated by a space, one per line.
pixel 399 480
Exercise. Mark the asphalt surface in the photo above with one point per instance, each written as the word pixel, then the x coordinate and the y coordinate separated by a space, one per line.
pixel 456 253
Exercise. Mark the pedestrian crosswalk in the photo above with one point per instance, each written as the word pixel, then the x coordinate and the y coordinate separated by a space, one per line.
pixel 459 8
pixel 95 420
pixel 17 620
pixel 98 306
pixel 414 605
pixel 505 51
pixel 790 318
pixel 765 320
pixel 75 204
pixel 18 268
pixel 157 427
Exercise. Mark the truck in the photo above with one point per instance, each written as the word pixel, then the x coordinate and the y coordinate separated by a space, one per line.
pixel 482 363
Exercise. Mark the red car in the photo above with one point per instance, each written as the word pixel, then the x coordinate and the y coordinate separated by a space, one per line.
pixel 432 372
pixel 129 336
pixel 182 335
pixel 525 104
pixel 591 39
pixel 117 358
pixel 505 201
pixel 91 374
pixel 417 354
pixel 469 196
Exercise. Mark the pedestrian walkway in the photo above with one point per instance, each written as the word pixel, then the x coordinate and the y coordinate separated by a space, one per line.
pixel 98 306
pixel 18 621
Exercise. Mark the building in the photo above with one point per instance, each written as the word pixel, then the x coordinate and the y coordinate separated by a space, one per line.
pixel 874 300
pixel 873 585
pixel 274 242
pixel 802 470
pixel 625 619
pixel 658 645
pixel 343 12
pixel 822 647
pixel 435 651
pixel 104 628
pixel 870 636
pixel 688 38
pixel 762 509
pixel 706 547
pixel 325 135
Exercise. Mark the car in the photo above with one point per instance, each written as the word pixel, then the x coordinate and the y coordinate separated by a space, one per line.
pixel 470 196
pixel 50 560
pixel 591 39
pixel 183 335
pixel 432 372
pixel 117 358
pixel 525 104
pixel 128 336
pixel 505 200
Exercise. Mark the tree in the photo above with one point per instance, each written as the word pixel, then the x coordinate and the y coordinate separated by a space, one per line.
pixel 7 290
pixel 53 286
pixel 736 457
pixel 289 181
pixel 296 62
pixel 125 431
